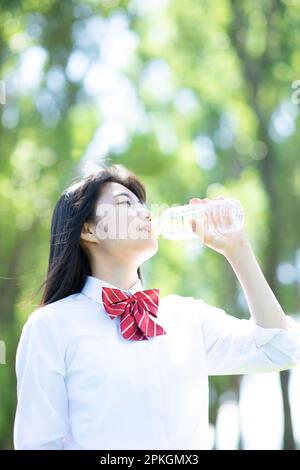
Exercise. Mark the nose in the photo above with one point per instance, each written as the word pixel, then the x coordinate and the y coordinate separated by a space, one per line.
pixel 145 214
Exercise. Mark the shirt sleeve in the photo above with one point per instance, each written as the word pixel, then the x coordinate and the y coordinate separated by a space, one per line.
pixel 240 346
pixel 41 419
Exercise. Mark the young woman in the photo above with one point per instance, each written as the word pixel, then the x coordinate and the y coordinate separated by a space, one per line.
pixel 103 363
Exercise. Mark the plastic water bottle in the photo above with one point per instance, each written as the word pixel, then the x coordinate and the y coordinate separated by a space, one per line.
pixel 174 224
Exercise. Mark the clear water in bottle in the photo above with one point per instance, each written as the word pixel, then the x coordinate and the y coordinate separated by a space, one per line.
pixel 174 224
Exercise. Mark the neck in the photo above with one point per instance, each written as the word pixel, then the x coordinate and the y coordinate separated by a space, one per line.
pixel 121 276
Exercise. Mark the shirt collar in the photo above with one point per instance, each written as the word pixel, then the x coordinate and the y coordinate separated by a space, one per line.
pixel 93 288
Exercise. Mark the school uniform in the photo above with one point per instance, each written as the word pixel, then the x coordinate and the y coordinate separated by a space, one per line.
pixel 82 385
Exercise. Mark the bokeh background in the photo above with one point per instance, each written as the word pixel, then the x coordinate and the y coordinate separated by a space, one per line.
pixel 199 99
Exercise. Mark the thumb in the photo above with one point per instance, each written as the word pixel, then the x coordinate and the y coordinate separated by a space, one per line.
pixel 195 200
pixel 198 227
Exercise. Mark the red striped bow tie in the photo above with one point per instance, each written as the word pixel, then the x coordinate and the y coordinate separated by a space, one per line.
pixel 134 310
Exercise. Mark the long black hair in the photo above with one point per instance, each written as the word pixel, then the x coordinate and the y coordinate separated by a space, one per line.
pixel 68 264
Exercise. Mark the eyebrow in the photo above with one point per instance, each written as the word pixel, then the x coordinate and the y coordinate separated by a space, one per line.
pixel 121 194
pixel 124 194
pixel 133 197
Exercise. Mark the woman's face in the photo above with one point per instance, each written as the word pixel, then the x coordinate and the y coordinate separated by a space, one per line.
pixel 123 224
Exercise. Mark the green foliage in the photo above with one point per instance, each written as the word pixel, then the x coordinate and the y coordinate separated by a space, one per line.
pixel 229 69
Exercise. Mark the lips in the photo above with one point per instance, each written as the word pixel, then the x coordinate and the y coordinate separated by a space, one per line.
pixel 147 227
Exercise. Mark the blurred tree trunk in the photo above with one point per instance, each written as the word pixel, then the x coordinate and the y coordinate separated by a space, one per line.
pixel 288 437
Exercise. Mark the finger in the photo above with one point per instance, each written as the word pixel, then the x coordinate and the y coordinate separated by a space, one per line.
pixel 217 219
pixel 199 226
pixel 195 200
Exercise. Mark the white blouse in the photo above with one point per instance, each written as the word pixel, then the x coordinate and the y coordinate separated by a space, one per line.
pixel 82 386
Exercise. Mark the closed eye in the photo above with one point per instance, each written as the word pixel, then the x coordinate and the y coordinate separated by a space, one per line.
pixel 124 202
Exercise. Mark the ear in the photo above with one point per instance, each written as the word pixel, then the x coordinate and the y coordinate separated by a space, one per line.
pixel 87 233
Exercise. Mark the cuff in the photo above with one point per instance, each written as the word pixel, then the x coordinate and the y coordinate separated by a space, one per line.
pixel 284 340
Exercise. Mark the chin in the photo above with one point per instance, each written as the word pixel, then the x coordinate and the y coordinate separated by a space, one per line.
pixel 149 246
pixel 148 243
